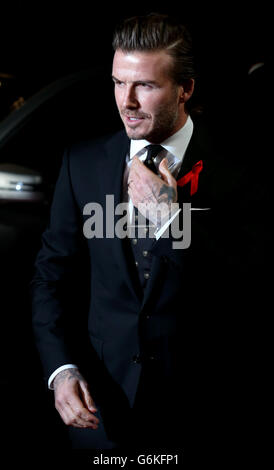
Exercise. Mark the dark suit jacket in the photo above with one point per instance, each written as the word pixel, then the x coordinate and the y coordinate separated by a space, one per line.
pixel 89 309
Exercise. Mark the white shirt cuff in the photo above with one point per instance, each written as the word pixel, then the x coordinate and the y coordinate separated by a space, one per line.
pixel 53 375
pixel 159 232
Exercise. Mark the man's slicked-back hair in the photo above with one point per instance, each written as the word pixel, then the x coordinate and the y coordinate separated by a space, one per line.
pixel 155 32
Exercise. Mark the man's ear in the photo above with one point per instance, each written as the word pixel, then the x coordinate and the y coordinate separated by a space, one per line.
pixel 186 90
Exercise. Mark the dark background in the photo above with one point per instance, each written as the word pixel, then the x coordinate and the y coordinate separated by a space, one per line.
pixel 40 42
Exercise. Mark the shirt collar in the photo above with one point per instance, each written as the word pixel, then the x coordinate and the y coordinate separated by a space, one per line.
pixel 175 144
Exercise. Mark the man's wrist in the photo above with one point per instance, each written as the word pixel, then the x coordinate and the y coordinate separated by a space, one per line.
pixel 56 372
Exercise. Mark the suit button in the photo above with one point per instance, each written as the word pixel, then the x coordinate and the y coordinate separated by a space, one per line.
pixel 152 358
pixel 146 275
pixel 136 359
pixel 134 241
pixel 145 253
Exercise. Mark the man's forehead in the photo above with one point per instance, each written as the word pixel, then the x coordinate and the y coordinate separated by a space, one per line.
pixel 137 62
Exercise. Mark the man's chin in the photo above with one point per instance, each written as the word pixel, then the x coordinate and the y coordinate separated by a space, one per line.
pixel 135 134
pixel 155 136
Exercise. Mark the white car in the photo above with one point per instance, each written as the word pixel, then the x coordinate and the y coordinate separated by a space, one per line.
pixel 18 183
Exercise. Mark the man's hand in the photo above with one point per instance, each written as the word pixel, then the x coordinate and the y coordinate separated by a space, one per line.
pixel 152 195
pixel 73 400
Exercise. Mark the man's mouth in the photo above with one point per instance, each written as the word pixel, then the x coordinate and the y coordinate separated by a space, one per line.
pixel 133 119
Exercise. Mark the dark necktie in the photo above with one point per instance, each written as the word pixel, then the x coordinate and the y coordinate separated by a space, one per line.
pixel 152 152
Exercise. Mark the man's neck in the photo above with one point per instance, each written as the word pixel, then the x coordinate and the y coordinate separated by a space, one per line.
pixel 180 124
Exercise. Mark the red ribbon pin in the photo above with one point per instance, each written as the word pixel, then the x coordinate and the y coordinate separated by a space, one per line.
pixel 192 177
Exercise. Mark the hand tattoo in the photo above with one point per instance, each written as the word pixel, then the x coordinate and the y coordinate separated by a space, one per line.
pixel 169 192
pixel 159 203
pixel 67 374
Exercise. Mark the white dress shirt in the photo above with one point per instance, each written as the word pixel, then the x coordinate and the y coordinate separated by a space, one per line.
pixel 175 147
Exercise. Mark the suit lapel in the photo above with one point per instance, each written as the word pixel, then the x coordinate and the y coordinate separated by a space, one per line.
pixel 113 166
pixel 116 150
pixel 198 149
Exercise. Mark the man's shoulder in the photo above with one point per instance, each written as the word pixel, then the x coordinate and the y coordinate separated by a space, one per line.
pixel 93 156
pixel 97 145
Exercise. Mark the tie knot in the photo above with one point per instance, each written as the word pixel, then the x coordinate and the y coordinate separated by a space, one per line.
pixel 153 150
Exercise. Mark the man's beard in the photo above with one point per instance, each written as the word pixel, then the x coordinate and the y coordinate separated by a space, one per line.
pixel 164 125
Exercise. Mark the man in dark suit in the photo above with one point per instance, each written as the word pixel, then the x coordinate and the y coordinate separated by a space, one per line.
pixel 143 361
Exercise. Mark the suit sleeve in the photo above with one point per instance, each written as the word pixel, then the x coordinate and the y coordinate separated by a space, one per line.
pixel 61 244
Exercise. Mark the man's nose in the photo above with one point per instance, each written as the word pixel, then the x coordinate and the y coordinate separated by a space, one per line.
pixel 130 99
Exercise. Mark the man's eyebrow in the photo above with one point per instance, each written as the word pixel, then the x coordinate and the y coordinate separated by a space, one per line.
pixel 148 82
pixel 136 82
